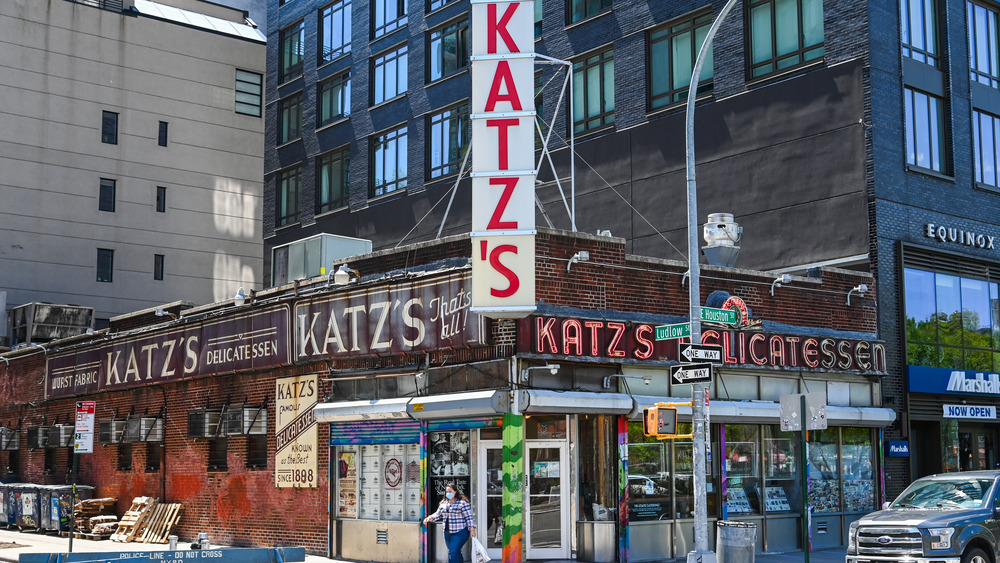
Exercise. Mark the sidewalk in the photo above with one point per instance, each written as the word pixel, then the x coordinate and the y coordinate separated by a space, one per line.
pixel 45 543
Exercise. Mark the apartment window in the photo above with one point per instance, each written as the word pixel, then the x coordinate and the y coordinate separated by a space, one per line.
pixel 582 9
pixel 449 139
pixel 287 202
pixel 217 450
pixel 388 162
pixel 918 19
pixel 435 4
pixel 161 138
pixel 158 267
pixel 925 130
pixel 334 99
pixel 594 91
pixel 109 127
pixel 387 16
pixel 784 33
pixel 983 47
pixel 290 119
pixel 105 264
pixel 334 30
pixel 257 451
pixel 248 92
pixel 673 50
pixel 389 70
pixel 106 199
pixel 333 179
pixel 124 457
pixel 50 461
pixel 538 18
pixel 986 139
pixel 154 453
pixel 449 49
pixel 161 199
pixel 292 45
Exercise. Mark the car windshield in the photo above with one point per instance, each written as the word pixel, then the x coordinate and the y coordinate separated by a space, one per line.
pixel 958 492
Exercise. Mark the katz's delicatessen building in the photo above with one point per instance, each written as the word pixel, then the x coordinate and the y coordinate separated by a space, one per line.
pixel 333 415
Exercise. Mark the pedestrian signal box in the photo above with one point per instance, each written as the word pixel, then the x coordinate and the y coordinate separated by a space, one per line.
pixel 659 421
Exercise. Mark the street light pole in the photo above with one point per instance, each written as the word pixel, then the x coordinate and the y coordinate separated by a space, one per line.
pixel 699 409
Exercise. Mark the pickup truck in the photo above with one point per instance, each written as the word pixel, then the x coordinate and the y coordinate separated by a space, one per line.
pixel 946 518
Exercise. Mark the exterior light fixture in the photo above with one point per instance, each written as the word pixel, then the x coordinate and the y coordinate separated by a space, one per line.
pixel 646 380
pixel 783 278
pixel 344 274
pixel 581 256
pixel 240 298
pixel 860 289
pixel 553 369
pixel 162 313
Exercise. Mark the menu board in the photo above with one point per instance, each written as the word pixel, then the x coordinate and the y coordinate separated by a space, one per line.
pixel 347 485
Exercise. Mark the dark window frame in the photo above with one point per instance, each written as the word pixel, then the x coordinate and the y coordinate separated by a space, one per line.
pixel 218 450
pixel 324 115
pixel 290 118
pixel 458 28
pixel 604 117
pixel 161 136
pixel 326 51
pixel 251 92
pixel 109 127
pixel 380 25
pixel 444 119
pixel 911 122
pixel 107 195
pixel 287 182
pixel 917 45
pixel 666 34
pixel 291 51
pixel 105 265
pixel 158 267
pixel 124 457
pixel 257 456
pixel 984 175
pixel 154 456
pixel 436 4
pixel 161 199
pixel 777 63
pixel 379 142
pixel 324 200
pixel 397 57
pixel 580 10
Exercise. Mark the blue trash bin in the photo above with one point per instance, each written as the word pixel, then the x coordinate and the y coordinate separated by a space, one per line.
pixel 61 505
pixel 27 512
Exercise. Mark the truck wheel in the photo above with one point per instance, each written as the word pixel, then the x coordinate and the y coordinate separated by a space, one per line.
pixel 975 555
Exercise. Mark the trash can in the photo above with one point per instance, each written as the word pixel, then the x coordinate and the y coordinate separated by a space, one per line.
pixel 60 506
pixel 597 541
pixel 26 508
pixel 45 507
pixel 735 542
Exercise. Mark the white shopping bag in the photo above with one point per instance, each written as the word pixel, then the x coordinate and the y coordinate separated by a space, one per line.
pixel 479 554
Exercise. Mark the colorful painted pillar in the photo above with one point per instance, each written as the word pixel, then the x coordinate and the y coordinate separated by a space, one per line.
pixel 513 487
pixel 424 530
pixel 623 488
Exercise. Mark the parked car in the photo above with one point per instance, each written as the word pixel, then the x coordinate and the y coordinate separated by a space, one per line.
pixel 946 518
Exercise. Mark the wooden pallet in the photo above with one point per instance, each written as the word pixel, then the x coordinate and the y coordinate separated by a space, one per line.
pixel 86 536
pixel 128 527
pixel 157 527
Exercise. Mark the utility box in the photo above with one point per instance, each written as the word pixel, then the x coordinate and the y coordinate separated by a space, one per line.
pixel 42 322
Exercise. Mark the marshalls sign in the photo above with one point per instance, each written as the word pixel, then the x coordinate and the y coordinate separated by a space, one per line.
pixel 295 457
pixel 503 171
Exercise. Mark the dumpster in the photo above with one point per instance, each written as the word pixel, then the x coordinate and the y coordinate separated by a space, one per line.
pixel 27 512
pixel 735 541
pixel 44 494
pixel 60 506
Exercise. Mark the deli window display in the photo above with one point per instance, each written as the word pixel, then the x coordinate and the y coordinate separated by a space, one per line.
pixel 742 470
pixel 379 482
pixel 448 454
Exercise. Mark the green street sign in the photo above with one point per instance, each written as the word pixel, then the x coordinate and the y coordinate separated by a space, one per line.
pixel 670 332
pixel 728 316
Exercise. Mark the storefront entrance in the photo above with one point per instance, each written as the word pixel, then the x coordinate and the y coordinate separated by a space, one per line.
pixel 977 447
pixel 490 512
pixel 547 525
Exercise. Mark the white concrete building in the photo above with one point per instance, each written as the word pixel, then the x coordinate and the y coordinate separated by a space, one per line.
pixel 131 151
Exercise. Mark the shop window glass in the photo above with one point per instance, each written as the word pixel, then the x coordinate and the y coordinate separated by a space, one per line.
pixel 824 483
pixel 545 428
pixel 782 490
pixel 742 469
pixel 859 477
pixel 598 477
pixel 683 472
pixel 448 454
pixel 649 490
pixel 379 482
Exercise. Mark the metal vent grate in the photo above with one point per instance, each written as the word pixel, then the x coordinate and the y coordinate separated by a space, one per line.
pixel 382 537
pixel 924 259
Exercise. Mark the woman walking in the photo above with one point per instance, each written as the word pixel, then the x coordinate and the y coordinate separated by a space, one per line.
pixel 456 511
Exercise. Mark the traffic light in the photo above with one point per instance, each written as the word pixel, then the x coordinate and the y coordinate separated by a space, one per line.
pixel 659 421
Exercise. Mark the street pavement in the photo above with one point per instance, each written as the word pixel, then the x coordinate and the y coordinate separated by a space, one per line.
pixel 45 543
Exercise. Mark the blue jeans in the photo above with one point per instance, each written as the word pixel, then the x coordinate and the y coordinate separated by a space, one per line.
pixel 455 542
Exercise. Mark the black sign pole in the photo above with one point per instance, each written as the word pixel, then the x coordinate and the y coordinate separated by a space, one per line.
pixel 804 468
pixel 72 504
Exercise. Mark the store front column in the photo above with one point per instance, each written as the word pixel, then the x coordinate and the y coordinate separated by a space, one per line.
pixel 513 489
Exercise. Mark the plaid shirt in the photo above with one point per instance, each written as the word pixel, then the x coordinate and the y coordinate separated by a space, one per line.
pixel 456 515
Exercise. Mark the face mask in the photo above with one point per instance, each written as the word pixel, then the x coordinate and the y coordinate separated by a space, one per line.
pixel 450 495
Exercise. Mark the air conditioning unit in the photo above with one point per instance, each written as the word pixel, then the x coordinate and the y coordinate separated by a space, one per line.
pixel 245 419
pixel 38 437
pixel 10 439
pixel 204 423
pixel 61 436
pixel 110 431
pixel 151 429
pixel 313 256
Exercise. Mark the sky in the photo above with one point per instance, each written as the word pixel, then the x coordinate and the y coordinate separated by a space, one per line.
pixel 257 9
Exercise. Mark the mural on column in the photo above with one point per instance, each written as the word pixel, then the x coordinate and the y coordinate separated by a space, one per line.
pixel 513 495
pixel 424 543
pixel 623 488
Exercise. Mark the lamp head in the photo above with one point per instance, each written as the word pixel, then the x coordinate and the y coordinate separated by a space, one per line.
pixel 240 298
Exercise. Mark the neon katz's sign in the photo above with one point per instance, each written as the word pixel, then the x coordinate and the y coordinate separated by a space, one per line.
pixel 620 340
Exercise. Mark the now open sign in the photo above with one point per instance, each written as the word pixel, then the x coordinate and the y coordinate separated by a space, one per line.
pixel 969 411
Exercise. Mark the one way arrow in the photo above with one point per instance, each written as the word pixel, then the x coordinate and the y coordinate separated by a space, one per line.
pixel 701 352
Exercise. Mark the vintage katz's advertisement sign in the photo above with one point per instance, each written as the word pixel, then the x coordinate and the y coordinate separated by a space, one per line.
pixel 390 319
pixel 296 439
pixel 251 340
pixel 503 169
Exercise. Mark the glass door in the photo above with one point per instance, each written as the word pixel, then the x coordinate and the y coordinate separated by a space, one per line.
pixel 546 524
pixel 489 512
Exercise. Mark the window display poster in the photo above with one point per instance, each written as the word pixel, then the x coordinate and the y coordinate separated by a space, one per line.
pixel 449 462
pixel 296 432
pixel 775 500
pixel 347 485
pixel 737 502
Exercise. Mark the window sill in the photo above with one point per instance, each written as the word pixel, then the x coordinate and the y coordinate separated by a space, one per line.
pixel 586 133
pixel 928 172
pixel 585 21
pixel 323 64
pixel 337 121
pixel 387 102
pixel 288 81
pixel 440 9
pixel 385 197
pixel 670 108
pixel 987 188
pixel 388 34
pixel 288 227
pixel 333 211
pixel 287 143
pixel 457 73
pixel 786 73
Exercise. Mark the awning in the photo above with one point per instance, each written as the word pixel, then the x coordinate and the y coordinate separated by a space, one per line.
pixel 355 411
pixel 574 402
pixel 453 405
pixel 768 412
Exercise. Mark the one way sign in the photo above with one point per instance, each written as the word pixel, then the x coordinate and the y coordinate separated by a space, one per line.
pixel 701 352
pixel 691 373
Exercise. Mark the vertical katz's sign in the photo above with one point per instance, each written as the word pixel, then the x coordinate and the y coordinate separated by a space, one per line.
pixel 503 169
pixel 296 441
